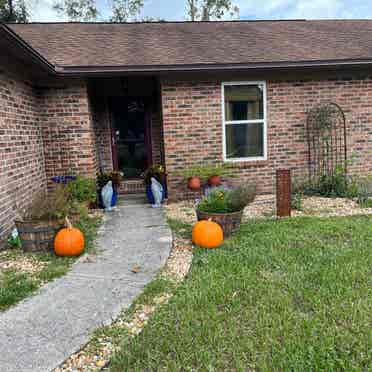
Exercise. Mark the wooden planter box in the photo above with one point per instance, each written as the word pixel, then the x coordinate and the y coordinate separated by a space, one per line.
pixel 230 222
pixel 37 236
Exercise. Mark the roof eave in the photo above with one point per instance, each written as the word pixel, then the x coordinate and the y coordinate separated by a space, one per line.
pixel 160 69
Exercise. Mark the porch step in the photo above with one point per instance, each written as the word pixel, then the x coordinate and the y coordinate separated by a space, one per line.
pixel 132 187
pixel 133 199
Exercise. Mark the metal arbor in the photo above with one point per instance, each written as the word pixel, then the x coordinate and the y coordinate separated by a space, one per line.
pixel 326 136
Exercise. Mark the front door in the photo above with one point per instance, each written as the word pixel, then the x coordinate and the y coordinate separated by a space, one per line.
pixel 131 135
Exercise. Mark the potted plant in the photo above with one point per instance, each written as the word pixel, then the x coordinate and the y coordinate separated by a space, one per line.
pixel 157 172
pixel 209 173
pixel 226 206
pixel 215 172
pixel 193 176
pixel 82 190
pixel 42 220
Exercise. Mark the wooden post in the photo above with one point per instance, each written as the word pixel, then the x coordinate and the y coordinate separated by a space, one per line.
pixel 283 192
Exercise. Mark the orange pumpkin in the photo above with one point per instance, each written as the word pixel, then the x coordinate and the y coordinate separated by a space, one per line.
pixel 194 183
pixel 69 241
pixel 214 180
pixel 207 234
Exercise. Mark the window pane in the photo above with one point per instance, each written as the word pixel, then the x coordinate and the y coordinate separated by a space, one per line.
pixel 243 102
pixel 244 140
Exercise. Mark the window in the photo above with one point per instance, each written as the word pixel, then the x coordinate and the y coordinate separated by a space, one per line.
pixel 244 121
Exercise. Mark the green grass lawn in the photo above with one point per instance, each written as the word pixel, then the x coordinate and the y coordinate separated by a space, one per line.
pixel 16 285
pixel 284 295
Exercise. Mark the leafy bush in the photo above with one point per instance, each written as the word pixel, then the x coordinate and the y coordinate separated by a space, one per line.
pixel 363 191
pixel 52 205
pixel 222 200
pixel 82 190
pixel 204 171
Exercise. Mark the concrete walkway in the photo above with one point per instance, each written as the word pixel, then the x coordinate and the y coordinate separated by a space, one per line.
pixel 41 332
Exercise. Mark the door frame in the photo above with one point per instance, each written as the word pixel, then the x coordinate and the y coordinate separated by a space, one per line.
pixel 148 132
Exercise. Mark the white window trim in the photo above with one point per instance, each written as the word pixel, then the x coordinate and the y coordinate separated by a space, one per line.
pixel 224 122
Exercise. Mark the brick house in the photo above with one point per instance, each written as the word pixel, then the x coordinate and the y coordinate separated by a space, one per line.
pixel 79 98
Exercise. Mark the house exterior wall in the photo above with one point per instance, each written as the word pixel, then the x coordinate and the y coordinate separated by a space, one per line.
pixel 192 125
pixel 44 132
pixel 68 131
pixel 22 172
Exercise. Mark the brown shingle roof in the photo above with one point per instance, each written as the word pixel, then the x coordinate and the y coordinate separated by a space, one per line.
pixel 201 43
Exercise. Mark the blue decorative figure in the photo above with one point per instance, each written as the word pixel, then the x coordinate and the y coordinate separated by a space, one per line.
pixel 106 194
pixel 157 191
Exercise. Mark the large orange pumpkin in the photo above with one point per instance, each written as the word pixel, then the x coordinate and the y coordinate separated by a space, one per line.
pixel 207 234
pixel 69 241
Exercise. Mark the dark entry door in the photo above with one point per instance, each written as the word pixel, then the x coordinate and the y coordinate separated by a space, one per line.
pixel 131 123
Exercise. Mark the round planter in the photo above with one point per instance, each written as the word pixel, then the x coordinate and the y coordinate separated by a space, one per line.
pixel 214 181
pixel 37 236
pixel 150 196
pixel 230 222
pixel 194 183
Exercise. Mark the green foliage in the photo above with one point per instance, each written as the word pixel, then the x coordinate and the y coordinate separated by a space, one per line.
pixel 14 241
pixel 124 10
pixel 204 171
pixel 156 171
pixel 336 185
pixel 363 190
pixel 14 287
pixel 205 10
pixel 87 10
pixel 297 194
pixel 13 11
pixel 77 10
pixel 82 190
pixel 287 295
pixel 221 200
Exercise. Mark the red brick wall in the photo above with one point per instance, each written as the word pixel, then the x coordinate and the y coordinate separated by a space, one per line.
pixel 22 172
pixel 193 126
pixel 68 132
pixel 157 137
pixel 102 130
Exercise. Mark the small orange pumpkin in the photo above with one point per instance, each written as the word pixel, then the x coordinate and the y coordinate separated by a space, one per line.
pixel 207 234
pixel 194 183
pixel 69 241
pixel 214 180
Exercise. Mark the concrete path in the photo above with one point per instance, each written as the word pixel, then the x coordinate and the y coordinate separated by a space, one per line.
pixel 41 332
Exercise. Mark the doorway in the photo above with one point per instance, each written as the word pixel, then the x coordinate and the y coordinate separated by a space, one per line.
pixel 131 135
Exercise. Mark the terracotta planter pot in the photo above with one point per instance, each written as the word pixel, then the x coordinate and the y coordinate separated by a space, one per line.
pixel 194 183
pixel 214 180
pixel 230 222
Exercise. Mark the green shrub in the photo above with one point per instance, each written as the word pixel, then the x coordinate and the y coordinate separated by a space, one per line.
pixel 221 200
pixel 204 171
pixel 82 190
pixel 363 190
pixel 54 204
pixel 335 185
